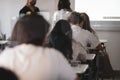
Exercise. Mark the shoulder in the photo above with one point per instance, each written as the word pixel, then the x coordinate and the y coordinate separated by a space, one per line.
pixel 24 9
pixel 56 13
pixel 60 61
pixel 87 32
pixel 37 9
pixel 53 52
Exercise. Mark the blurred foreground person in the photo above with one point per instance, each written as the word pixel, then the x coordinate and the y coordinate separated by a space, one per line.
pixel 30 60
pixel 6 74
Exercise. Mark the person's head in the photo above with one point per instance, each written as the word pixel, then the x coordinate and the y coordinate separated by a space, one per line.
pixel 31 2
pixel 86 22
pixel 75 19
pixel 64 4
pixel 30 29
pixel 62 27
pixel 6 74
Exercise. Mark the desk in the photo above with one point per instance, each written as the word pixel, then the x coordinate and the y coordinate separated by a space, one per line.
pixel 103 41
pixel 81 68
pixel 91 61
pixel 90 56
pixel 2 43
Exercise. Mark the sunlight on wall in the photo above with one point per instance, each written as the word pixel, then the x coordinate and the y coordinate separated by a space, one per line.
pixel 102 10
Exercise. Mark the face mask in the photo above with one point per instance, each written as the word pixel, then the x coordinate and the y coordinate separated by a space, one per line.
pixel 32 3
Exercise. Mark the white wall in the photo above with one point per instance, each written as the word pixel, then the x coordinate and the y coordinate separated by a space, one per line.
pixel 100 10
pixel 8 9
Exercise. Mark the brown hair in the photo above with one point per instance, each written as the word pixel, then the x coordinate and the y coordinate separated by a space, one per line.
pixel 75 18
pixel 64 4
pixel 30 29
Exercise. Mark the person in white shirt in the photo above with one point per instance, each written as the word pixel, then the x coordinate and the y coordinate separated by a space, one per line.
pixel 30 60
pixel 80 35
pixel 63 11
pixel 86 25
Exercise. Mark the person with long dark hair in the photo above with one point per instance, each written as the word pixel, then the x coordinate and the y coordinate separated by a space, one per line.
pixel 61 38
pixel 86 24
pixel 105 68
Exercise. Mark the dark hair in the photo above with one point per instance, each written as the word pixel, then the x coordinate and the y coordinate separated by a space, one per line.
pixel 62 27
pixel 64 4
pixel 61 38
pixel 75 18
pixel 86 22
pixel 6 74
pixel 30 29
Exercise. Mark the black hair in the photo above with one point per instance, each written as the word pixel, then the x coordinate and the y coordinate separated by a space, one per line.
pixel 62 27
pixel 61 38
pixel 64 4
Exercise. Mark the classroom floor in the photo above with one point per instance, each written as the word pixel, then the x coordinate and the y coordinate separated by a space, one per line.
pixel 117 77
pixel 110 79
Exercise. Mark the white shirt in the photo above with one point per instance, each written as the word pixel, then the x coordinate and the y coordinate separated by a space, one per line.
pixel 60 14
pixel 84 37
pixel 36 63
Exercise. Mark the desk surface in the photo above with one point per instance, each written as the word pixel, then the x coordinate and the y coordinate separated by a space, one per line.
pixel 103 40
pixel 90 56
pixel 3 41
pixel 81 68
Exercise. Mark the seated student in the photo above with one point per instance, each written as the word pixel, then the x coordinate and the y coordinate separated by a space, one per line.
pixel 80 35
pixel 61 38
pixel 86 25
pixel 105 68
pixel 6 74
pixel 30 60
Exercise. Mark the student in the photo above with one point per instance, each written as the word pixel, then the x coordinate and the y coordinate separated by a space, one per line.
pixel 105 68
pixel 63 11
pixel 6 74
pixel 61 38
pixel 80 35
pixel 30 59
pixel 29 7
pixel 86 25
